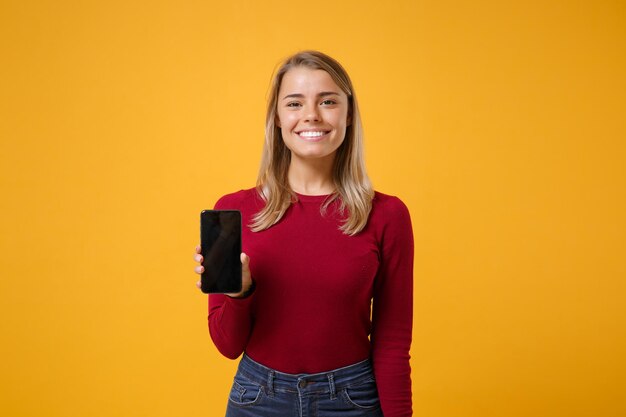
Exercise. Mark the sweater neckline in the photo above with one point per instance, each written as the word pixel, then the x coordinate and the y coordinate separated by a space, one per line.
pixel 305 198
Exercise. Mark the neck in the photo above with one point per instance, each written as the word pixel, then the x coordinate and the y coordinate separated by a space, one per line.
pixel 311 177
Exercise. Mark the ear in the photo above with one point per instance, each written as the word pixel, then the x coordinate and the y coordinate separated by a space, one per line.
pixel 277 121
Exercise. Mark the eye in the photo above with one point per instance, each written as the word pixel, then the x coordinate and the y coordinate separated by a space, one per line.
pixel 293 104
pixel 329 102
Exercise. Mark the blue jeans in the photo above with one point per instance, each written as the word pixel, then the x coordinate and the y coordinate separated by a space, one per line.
pixel 259 391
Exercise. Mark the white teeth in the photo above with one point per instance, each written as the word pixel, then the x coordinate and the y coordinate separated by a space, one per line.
pixel 311 134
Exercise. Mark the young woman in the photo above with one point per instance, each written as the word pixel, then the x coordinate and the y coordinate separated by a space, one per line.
pixel 324 320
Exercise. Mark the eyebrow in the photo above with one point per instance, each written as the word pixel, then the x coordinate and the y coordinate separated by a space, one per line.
pixel 322 94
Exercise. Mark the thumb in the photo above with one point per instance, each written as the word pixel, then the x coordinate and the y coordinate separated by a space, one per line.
pixel 245 262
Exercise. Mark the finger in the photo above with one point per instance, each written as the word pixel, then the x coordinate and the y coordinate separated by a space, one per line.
pixel 198 258
pixel 198 249
pixel 245 262
pixel 199 284
pixel 199 269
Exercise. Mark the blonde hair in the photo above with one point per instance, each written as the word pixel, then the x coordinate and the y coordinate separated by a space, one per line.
pixel 352 185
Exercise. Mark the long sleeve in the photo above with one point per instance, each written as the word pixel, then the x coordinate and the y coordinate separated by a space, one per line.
pixel 392 316
pixel 310 311
pixel 230 322
pixel 230 319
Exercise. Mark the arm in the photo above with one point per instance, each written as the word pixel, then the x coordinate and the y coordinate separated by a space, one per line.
pixel 230 316
pixel 230 323
pixel 392 316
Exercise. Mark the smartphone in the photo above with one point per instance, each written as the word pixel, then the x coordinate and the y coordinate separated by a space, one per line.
pixel 220 239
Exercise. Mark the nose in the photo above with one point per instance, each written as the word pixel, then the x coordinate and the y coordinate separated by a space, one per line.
pixel 312 114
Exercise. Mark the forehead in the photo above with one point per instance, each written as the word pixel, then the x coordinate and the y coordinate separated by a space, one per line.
pixel 304 80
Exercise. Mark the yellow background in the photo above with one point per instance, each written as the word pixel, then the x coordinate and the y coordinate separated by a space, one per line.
pixel 500 124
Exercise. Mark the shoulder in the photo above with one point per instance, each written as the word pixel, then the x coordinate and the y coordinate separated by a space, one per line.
pixel 388 205
pixel 389 215
pixel 238 200
pixel 391 220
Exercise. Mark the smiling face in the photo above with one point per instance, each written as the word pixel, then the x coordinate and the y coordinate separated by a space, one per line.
pixel 312 113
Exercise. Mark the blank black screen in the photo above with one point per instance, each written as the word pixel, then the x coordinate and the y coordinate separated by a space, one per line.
pixel 220 238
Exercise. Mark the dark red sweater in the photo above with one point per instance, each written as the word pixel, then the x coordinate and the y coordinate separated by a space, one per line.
pixel 310 311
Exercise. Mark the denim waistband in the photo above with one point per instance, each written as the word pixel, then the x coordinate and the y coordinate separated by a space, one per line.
pixel 323 382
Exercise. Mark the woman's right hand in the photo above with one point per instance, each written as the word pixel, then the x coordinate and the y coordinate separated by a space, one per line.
pixel 245 272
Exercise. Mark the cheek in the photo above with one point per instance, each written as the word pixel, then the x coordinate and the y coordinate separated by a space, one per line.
pixel 338 118
pixel 345 115
pixel 285 121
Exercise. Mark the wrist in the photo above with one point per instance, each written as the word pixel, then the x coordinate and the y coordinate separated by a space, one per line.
pixel 245 294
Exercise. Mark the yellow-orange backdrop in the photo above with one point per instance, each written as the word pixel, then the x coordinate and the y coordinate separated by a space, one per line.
pixel 500 124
